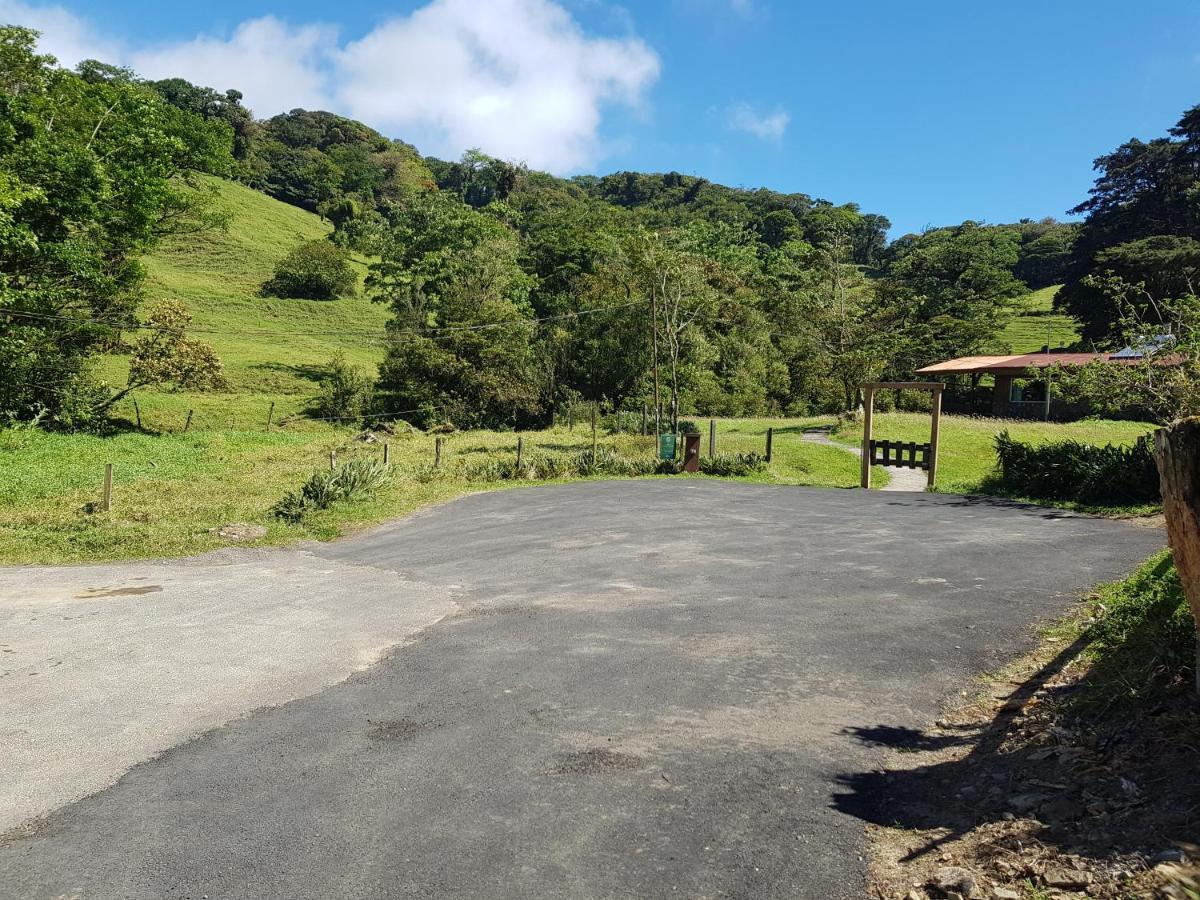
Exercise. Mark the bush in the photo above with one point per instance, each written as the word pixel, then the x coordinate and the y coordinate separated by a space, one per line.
pixel 549 466
pixel 314 270
pixel 733 465
pixel 353 478
pixel 345 392
pixel 1069 470
pixel 1143 640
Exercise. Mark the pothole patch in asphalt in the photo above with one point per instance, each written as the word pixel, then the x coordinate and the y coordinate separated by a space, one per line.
pixel 597 761
pixel 398 731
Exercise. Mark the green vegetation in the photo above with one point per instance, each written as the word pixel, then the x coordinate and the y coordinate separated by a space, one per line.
pixel 272 351
pixel 1074 471
pixel 1035 321
pixel 967 455
pixel 1139 641
pixel 172 490
pixel 314 270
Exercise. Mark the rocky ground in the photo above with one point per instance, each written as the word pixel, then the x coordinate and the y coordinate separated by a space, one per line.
pixel 1016 793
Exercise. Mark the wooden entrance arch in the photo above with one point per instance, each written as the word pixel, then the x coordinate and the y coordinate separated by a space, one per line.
pixel 896 453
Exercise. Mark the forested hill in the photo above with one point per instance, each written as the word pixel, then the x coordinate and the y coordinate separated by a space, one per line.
pixel 509 292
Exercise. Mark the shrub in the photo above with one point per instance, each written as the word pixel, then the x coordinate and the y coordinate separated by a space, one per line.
pixel 345 392
pixel 548 466
pixel 1069 470
pixel 353 478
pixel 733 465
pixel 314 270
pixel 1143 639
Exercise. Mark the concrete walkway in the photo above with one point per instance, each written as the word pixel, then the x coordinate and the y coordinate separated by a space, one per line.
pixel 104 667
pixel 898 479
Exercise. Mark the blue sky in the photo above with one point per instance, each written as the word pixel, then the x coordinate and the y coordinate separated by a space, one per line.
pixel 929 112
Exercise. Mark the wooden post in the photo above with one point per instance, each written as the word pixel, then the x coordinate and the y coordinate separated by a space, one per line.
pixel 137 411
pixel 1177 452
pixel 868 412
pixel 712 438
pixel 644 417
pixel 520 447
pixel 106 505
pixel 332 460
pixel 270 415
pixel 570 416
pixel 770 435
pixel 593 434
pixel 437 452
pixel 188 423
pixel 386 448
pixel 934 424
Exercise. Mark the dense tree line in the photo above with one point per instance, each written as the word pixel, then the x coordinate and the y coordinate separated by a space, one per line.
pixel 94 168
pixel 1142 228
pixel 515 292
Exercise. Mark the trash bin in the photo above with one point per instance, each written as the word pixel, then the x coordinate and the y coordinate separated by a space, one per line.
pixel 691 452
pixel 666 446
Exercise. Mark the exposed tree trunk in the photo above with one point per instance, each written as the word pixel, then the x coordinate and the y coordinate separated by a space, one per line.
pixel 1177 451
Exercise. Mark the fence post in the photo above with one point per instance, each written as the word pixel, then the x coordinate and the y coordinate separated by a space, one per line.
pixel 570 415
pixel 868 414
pixel 520 447
pixel 270 415
pixel 644 417
pixel 934 424
pixel 437 452
pixel 107 504
pixel 712 438
pixel 137 411
pixel 332 460
pixel 770 435
pixel 593 434
pixel 188 423
pixel 386 447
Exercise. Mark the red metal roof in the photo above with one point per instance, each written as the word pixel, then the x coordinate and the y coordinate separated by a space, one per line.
pixel 971 365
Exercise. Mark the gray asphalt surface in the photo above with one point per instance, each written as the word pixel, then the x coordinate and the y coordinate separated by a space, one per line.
pixel 649 690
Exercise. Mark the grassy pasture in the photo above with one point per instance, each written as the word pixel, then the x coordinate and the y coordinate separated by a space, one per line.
pixel 272 349
pixel 173 489
pixel 1026 331
pixel 966 451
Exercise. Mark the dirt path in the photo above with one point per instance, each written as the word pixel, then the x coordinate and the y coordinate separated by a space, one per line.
pixel 898 479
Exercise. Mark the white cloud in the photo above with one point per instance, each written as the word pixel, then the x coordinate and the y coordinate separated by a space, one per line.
pixel 276 66
pixel 517 78
pixel 64 34
pixel 768 126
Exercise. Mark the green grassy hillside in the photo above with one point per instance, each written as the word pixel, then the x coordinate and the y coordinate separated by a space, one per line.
pixel 174 489
pixel 271 348
pixel 1026 331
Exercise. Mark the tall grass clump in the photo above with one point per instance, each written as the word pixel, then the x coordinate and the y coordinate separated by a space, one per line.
pixel 353 478
pixel 1142 641
pixel 1070 470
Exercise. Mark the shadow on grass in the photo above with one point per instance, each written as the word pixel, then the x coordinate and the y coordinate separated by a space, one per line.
pixel 307 372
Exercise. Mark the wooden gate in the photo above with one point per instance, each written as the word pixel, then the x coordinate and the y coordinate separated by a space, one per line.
pixel 899 453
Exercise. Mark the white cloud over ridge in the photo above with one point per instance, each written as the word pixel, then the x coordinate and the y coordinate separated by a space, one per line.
pixel 768 126
pixel 517 78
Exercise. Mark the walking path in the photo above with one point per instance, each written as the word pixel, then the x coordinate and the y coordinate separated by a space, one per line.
pixel 899 479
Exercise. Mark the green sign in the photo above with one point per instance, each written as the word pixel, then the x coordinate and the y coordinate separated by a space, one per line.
pixel 666 446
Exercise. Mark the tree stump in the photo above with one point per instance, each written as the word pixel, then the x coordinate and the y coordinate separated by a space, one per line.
pixel 1177 452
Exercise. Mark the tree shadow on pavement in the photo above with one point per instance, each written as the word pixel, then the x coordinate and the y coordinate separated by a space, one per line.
pixel 1088 784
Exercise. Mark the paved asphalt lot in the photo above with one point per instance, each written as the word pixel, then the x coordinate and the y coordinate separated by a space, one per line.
pixel 647 689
